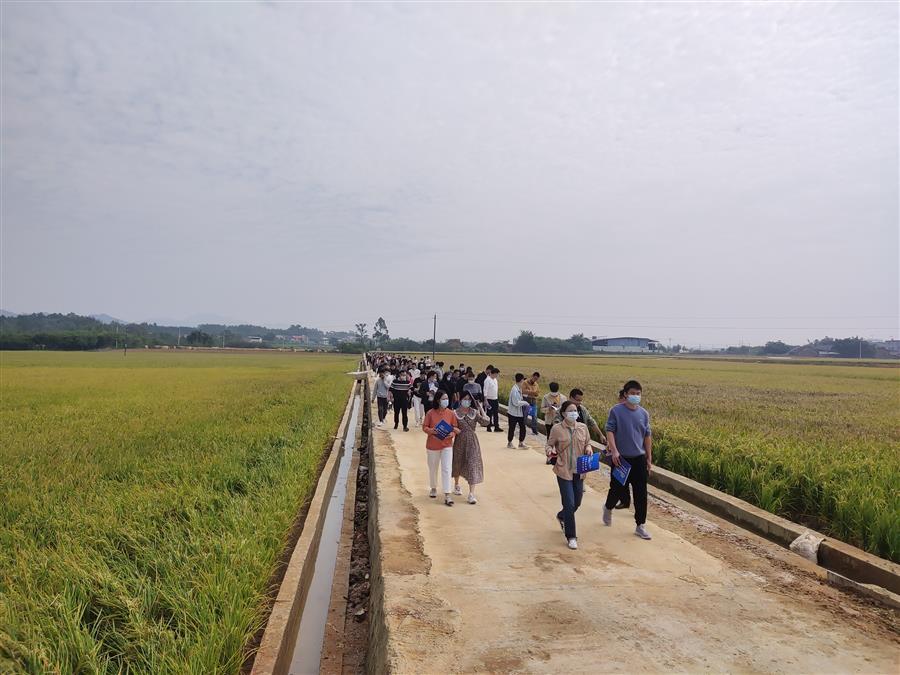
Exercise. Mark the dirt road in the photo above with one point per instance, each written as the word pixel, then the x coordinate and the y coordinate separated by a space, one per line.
pixel 492 586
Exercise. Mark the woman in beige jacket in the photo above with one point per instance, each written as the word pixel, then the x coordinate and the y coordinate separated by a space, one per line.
pixel 567 441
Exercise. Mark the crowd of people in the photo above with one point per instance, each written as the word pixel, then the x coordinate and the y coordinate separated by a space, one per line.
pixel 449 403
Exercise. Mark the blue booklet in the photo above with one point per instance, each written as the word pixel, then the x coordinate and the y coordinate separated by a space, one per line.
pixel 442 430
pixel 620 473
pixel 588 463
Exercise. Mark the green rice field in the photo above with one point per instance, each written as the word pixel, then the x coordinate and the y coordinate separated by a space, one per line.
pixel 145 500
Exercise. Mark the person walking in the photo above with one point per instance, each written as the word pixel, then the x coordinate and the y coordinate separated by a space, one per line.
pixel 530 392
pixel 467 462
pixel 440 450
pixel 418 408
pixel 473 388
pixel 483 375
pixel 551 405
pixel 630 438
pixel 516 409
pixel 624 493
pixel 567 441
pixel 398 393
pixel 381 392
pixel 584 416
pixel 491 400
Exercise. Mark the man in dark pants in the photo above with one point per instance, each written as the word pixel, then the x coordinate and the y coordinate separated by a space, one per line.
pixel 491 388
pixel 630 438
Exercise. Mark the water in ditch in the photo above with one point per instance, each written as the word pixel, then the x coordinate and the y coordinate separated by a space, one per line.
pixel 308 648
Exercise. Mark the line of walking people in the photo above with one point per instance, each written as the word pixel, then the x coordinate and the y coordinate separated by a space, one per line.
pixel 450 404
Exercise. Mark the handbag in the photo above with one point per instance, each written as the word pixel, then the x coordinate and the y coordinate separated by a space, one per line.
pixel 588 463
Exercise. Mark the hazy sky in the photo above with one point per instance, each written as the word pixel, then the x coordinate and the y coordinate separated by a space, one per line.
pixel 709 173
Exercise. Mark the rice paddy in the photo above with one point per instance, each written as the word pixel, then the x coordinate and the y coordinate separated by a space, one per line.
pixel 145 500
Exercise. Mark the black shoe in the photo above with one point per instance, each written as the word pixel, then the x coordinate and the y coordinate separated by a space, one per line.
pixel 499 430
pixel 623 505
pixel 405 428
pixel 395 426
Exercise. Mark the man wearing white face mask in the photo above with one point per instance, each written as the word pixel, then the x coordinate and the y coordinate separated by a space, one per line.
pixel 630 438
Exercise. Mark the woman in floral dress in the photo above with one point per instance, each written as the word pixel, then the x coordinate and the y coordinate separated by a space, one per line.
pixel 466 449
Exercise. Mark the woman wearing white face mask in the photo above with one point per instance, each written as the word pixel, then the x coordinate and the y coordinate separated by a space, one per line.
pixel 440 450
pixel 567 441
pixel 467 461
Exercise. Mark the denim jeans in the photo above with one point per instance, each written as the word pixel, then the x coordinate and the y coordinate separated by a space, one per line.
pixel 570 493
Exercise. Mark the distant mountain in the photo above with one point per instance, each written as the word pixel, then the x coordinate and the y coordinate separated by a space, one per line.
pixel 194 320
pixel 106 318
pixel 3 312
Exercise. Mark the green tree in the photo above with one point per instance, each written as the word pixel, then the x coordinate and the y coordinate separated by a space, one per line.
pixel 362 334
pixel 776 347
pixel 525 343
pixel 199 339
pixel 854 347
pixel 380 332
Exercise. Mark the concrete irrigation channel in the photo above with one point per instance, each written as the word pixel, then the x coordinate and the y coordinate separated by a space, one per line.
pixel 492 588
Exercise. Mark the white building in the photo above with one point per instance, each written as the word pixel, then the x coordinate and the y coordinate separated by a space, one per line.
pixel 628 345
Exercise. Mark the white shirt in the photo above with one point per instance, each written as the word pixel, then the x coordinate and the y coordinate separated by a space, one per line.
pixel 491 388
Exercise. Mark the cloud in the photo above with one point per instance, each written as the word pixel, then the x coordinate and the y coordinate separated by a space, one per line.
pixel 735 158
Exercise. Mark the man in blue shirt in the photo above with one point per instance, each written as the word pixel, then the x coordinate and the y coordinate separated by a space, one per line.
pixel 629 435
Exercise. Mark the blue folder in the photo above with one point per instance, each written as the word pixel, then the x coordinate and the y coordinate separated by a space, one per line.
pixel 442 430
pixel 588 463
pixel 620 473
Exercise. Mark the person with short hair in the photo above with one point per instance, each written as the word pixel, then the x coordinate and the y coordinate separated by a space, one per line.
pixel 551 405
pixel 440 450
pixel 483 375
pixel 631 439
pixel 491 400
pixel 380 393
pixel 516 409
pixel 531 391
pixel 584 416
pixel 398 394
pixel 472 387
pixel 567 441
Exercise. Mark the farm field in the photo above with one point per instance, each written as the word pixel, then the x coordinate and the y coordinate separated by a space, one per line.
pixel 819 444
pixel 145 500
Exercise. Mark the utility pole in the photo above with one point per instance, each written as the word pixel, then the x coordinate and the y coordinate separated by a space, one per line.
pixel 179 336
pixel 434 338
pixel 117 337
pixel 125 329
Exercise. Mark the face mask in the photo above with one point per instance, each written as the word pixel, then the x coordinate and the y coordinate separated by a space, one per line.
pixel 465 403
pixel 572 415
pixel 445 402
pixel 634 399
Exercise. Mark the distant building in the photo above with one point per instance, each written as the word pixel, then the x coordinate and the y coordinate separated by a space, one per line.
pixel 893 346
pixel 254 338
pixel 299 338
pixel 629 345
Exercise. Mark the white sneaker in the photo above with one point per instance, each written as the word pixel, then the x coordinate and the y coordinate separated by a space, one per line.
pixel 380 425
pixel 607 516
pixel 573 544
pixel 523 446
pixel 457 490
pixel 472 499
pixel 641 532
pixel 510 446
pixel 433 493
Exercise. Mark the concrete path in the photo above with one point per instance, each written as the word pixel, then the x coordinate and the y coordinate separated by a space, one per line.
pixel 492 587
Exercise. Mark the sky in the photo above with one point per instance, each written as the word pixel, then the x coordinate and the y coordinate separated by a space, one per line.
pixel 709 173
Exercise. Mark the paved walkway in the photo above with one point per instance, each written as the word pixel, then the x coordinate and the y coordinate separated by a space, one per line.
pixel 492 587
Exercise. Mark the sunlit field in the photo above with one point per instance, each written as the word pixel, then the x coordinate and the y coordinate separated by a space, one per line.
pixel 145 499
pixel 819 444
